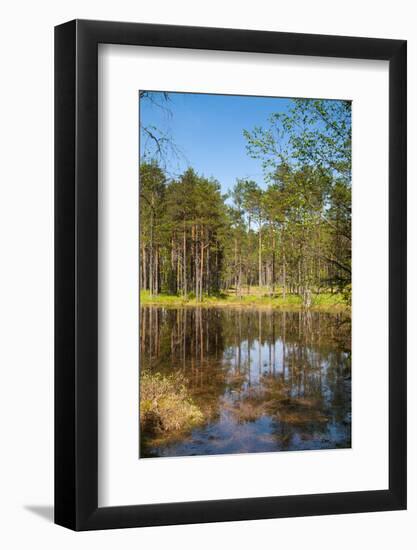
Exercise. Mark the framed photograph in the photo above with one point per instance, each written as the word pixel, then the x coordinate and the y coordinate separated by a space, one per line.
pixel 230 284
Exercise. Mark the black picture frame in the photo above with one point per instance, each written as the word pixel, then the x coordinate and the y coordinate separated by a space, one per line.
pixel 76 272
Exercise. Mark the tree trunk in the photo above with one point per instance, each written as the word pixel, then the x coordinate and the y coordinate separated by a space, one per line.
pixel 151 281
pixel 184 254
pixel 273 262
pixel 260 252
pixel 240 276
pixel 201 268
pixel 235 266
pixel 284 277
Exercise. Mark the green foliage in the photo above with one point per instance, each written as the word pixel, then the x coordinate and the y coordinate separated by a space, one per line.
pixel 313 132
pixel 306 153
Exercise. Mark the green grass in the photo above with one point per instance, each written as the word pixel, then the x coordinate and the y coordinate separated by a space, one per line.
pixel 259 297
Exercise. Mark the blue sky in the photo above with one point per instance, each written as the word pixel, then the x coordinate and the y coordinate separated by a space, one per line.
pixel 208 131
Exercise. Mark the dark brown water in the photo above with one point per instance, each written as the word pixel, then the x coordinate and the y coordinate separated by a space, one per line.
pixel 265 380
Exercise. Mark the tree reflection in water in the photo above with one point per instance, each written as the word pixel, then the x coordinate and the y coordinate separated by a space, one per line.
pixel 265 380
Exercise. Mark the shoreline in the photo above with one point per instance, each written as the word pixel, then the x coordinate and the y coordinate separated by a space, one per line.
pixel 333 305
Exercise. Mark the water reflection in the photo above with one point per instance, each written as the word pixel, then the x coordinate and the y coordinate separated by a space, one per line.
pixel 265 380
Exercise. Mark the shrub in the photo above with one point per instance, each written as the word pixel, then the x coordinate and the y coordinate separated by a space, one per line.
pixel 165 405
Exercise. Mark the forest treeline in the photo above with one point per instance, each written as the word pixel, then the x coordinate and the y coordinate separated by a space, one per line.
pixel 290 235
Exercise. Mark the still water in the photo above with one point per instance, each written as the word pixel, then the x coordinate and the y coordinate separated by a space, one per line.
pixel 265 380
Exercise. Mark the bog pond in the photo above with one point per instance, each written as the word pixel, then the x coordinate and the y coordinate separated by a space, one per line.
pixel 264 380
